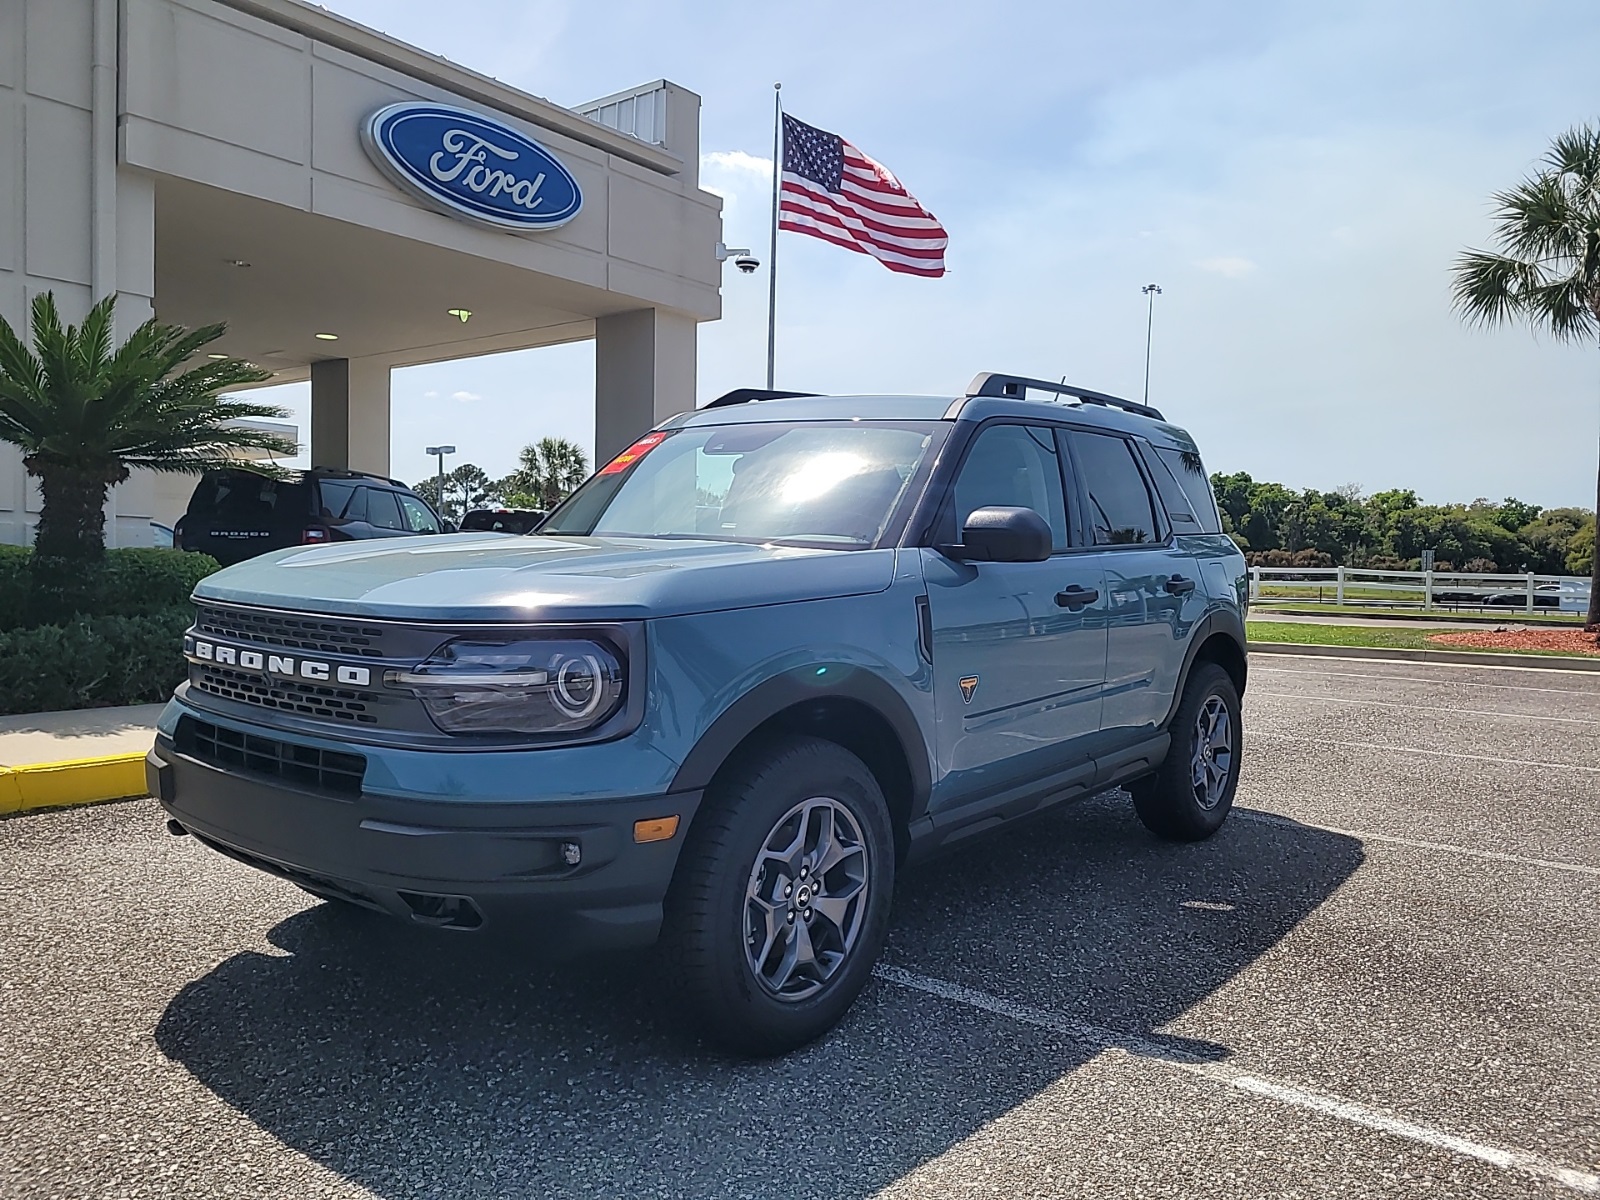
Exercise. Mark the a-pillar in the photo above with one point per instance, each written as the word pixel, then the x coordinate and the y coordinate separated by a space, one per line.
pixel 350 414
pixel 644 364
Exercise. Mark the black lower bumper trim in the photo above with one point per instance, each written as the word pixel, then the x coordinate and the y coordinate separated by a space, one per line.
pixel 447 863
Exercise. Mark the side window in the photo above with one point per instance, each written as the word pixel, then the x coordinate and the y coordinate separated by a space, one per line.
pixel 1190 474
pixel 382 511
pixel 418 518
pixel 1015 466
pixel 334 499
pixel 1120 512
pixel 1180 509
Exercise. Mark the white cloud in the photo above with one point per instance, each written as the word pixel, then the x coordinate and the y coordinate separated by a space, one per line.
pixel 737 160
pixel 1228 266
pixel 430 395
pixel 465 397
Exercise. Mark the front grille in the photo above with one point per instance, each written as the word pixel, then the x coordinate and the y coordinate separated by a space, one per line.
pixel 286 695
pixel 322 634
pixel 306 766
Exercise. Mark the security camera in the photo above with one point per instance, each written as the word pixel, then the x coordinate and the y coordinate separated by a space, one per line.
pixel 747 263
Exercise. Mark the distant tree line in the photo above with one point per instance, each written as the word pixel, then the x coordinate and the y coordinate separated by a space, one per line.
pixel 547 473
pixel 1277 526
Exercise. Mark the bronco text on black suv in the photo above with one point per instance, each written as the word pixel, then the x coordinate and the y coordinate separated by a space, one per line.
pixel 766 657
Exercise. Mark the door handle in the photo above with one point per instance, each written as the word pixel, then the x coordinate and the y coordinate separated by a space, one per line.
pixel 1177 585
pixel 1075 597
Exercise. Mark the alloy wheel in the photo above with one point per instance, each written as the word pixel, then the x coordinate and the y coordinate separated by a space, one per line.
pixel 1211 752
pixel 806 900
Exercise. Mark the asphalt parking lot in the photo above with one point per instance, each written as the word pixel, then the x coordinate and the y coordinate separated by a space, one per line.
pixel 1381 979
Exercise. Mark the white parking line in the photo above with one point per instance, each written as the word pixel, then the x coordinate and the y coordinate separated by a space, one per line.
pixel 1509 687
pixel 1466 712
pixel 1265 818
pixel 1286 1093
pixel 1508 762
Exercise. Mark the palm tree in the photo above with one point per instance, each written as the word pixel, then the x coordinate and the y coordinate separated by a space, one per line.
pixel 1547 269
pixel 547 473
pixel 85 414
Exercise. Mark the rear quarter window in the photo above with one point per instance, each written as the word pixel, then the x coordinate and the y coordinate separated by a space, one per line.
pixel 1185 489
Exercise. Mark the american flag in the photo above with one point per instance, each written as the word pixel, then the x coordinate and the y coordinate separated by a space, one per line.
pixel 833 191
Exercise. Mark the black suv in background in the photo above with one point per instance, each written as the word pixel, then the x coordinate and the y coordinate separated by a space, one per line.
pixel 503 520
pixel 238 513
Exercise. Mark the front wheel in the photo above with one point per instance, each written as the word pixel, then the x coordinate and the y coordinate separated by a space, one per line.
pixel 780 904
pixel 1188 799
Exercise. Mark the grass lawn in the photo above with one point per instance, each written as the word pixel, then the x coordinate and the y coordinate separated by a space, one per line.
pixel 1357 635
pixel 1319 590
pixel 1491 616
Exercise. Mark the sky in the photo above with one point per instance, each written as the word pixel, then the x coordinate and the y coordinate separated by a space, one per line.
pixel 1297 177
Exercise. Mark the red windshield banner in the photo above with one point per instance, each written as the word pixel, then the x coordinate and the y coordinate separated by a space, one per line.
pixel 633 454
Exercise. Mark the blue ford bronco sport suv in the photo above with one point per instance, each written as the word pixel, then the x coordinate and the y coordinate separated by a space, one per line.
pixel 775 651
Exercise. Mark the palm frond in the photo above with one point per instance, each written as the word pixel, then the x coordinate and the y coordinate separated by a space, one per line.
pixel 1490 289
pixel 1562 306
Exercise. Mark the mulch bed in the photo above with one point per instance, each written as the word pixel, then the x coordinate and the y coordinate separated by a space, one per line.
pixel 1567 641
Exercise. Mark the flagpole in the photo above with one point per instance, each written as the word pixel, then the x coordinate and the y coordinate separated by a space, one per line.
pixel 772 255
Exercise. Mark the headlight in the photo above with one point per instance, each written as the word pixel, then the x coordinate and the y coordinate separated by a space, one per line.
pixel 532 685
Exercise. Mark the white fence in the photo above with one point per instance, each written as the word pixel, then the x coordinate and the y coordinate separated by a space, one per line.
pixel 1419 589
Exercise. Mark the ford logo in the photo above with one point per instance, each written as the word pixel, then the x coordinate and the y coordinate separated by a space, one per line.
pixel 471 166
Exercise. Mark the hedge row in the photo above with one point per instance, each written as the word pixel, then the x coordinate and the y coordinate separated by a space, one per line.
pixel 126 583
pixel 93 661
pixel 75 636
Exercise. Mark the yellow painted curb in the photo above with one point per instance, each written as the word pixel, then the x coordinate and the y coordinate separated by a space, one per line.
pixel 79 781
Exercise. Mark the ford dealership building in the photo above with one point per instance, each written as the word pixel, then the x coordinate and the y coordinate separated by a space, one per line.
pixel 339 198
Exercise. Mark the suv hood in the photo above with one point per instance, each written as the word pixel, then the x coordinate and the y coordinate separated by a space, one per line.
pixel 495 577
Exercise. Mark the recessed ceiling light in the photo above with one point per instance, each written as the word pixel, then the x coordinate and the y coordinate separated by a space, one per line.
pixel 216 356
pixel 327 337
pixel 460 314
pixel 237 262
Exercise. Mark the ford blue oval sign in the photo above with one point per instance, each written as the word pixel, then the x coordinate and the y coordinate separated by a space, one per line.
pixel 472 166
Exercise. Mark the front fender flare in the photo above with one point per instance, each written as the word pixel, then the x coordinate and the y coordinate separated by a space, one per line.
pixel 845 681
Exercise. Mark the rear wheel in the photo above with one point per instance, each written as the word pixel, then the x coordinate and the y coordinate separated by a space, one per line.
pixel 781 901
pixel 1188 799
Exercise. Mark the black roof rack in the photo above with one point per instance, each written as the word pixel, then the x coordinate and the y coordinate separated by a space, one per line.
pixel 1016 387
pixel 745 395
pixel 346 473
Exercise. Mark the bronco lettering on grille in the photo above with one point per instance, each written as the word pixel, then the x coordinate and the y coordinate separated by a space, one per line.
pixel 287 666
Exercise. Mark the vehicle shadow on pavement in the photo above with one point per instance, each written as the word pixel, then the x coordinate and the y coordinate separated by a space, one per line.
pixel 418 1065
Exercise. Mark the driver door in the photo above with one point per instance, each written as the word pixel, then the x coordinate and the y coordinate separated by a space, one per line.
pixel 1018 675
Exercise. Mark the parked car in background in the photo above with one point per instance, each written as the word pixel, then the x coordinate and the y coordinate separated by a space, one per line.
pixel 503 520
pixel 1546 595
pixel 161 536
pixel 238 513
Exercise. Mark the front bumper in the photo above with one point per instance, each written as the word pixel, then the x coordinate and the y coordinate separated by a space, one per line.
pixel 449 862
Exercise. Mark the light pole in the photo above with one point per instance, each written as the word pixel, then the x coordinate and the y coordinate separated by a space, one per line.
pixel 1152 290
pixel 439 452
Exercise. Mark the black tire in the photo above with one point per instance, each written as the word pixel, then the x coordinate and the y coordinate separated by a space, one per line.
pixel 713 924
pixel 1170 803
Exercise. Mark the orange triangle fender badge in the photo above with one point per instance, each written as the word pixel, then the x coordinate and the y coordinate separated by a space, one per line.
pixel 968 686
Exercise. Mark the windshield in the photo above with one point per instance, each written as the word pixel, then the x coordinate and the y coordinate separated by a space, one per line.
pixel 829 483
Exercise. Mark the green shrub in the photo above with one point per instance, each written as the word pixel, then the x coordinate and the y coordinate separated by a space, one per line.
pixel 13 585
pixel 93 661
pixel 126 583
pixel 144 582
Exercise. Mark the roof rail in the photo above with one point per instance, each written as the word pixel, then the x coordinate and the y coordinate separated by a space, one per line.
pixel 347 473
pixel 745 395
pixel 1016 387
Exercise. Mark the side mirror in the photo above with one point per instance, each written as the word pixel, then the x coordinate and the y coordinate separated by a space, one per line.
pixel 1003 534
pixel 447 527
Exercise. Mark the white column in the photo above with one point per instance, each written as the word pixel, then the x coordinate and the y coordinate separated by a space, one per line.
pixel 644 372
pixel 350 414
